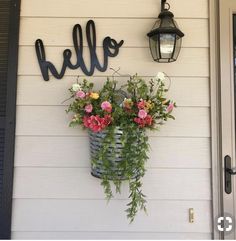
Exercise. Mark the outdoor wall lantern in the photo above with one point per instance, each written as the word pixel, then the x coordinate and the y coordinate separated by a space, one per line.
pixel 165 38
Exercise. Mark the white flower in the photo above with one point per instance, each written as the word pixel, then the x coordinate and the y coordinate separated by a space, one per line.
pixel 160 76
pixel 76 87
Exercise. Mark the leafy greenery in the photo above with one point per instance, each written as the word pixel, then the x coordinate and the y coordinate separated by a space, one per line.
pixel 125 112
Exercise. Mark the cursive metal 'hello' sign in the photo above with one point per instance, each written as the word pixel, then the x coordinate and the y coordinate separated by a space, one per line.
pixel 110 49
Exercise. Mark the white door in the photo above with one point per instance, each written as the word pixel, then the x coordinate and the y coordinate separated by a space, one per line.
pixel 226 224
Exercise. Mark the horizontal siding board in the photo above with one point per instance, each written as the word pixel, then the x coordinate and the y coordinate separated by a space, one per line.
pixel 97 215
pixel 55 91
pixel 53 120
pixel 110 235
pixel 48 30
pixel 191 62
pixel 107 8
pixel 74 152
pixel 170 184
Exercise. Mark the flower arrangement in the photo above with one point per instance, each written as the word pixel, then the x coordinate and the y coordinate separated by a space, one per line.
pixel 133 108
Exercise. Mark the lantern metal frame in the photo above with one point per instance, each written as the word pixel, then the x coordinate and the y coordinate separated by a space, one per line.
pixel 165 24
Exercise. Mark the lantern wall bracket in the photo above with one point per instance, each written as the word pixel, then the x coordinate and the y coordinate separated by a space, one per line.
pixel 163 5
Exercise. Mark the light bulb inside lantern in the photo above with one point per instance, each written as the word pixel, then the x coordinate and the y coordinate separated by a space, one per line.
pixel 167 43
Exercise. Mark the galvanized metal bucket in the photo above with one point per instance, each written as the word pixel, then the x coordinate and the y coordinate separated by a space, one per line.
pixel 115 156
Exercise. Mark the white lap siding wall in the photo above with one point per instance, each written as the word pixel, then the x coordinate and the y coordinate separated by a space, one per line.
pixel 54 194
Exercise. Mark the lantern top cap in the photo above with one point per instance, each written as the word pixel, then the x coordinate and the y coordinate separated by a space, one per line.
pixel 163 30
pixel 166 14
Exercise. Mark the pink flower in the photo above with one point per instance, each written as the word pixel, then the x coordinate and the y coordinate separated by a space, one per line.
pixel 80 94
pixel 170 107
pixel 106 106
pixel 142 114
pixel 88 108
pixel 141 104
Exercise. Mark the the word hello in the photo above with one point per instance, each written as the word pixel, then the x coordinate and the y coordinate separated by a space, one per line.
pixel 110 49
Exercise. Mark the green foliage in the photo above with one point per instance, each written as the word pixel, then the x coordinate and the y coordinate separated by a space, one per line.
pixel 136 106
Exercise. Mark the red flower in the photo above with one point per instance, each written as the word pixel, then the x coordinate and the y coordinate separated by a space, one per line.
pixel 140 122
pixel 96 123
pixel 86 121
pixel 148 120
pixel 107 120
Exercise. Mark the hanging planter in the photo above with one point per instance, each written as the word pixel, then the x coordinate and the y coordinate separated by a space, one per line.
pixel 117 120
pixel 114 154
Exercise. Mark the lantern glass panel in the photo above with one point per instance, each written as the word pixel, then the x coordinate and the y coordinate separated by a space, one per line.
pixel 177 47
pixel 154 47
pixel 167 44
